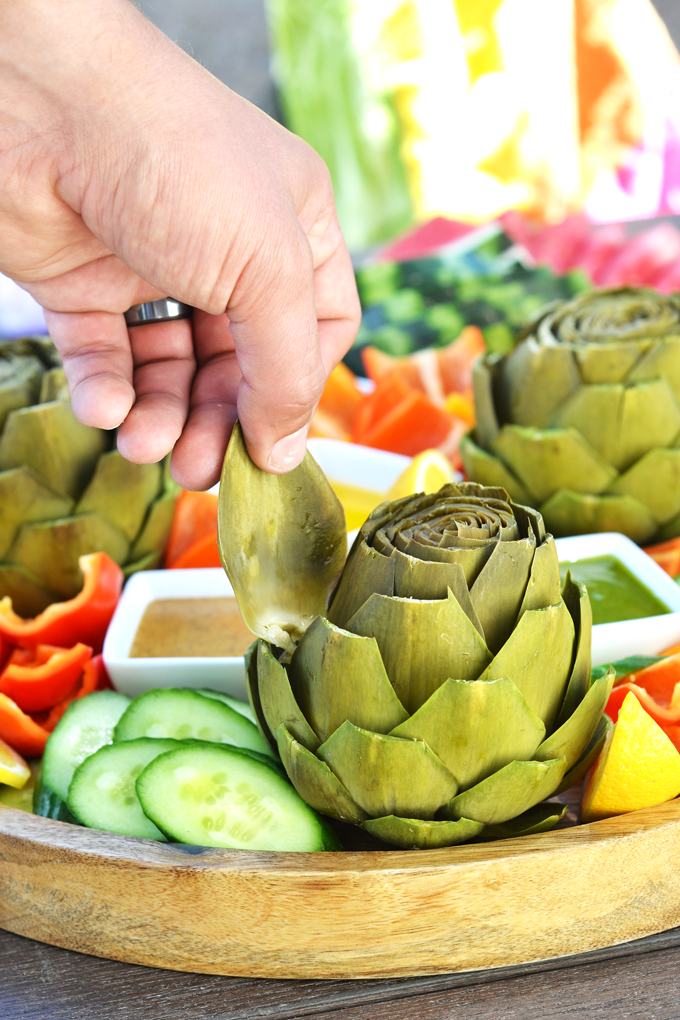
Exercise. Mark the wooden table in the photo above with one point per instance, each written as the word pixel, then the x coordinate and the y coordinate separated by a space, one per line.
pixel 637 980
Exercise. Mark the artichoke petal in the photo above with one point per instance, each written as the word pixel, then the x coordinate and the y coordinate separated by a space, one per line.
pixel 574 513
pixel 135 487
pixel 576 599
pixel 534 381
pixel 475 727
pixel 422 644
pixel 541 818
pixel 484 467
pixel 671 529
pixel 537 658
pixel 650 417
pixel 366 571
pixel 419 834
pixel 24 497
pixel 653 481
pixel 428 579
pixel 546 461
pixel 499 589
pixel 28 594
pixel 250 663
pixel 574 735
pixel 609 363
pixel 508 792
pixel 660 361
pixel 483 372
pixel 595 411
pixel 315 782
pixel 387 775
pixel 282 541
pixel 278 701
pixel 589 756
pixel 543 589
pixel 337 676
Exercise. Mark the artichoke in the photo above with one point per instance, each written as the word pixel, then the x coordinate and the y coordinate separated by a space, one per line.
pixel 63 492
pixel 582 418
pixel 445 691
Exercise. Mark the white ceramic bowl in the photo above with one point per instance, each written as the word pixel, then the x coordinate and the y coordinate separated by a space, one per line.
pixel 134 676
pixel 647 636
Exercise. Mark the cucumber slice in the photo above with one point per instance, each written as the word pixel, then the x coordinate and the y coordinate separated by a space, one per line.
pixel 239 706
pixel 48 805
pixel 102 792
pixel 183 714
pixel 216 796
pixel 86 725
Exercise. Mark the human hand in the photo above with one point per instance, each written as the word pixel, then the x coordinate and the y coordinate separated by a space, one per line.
pixel 128 173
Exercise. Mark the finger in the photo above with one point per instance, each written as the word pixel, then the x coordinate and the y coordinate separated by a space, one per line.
pixel 164 368
pixel 198 455
pixel 95 349
pixel 337 305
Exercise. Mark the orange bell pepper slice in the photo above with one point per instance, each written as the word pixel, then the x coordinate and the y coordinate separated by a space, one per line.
pixel 389 392
pixel 414 425
pixel 203 553
pixel 195 517
pixel 45 680
pixel 84 618
pixel 341 399
pixel 454 363
pixel 667 555
pixel 20 731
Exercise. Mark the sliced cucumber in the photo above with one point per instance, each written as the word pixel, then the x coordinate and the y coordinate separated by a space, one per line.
pixel 86 725
pixel 216 796
pixel 48 805
pixel 242 707
pixel 102 793
pixel 183 714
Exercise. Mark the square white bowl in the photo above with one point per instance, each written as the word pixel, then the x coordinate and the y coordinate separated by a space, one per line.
pixel 646 636
pixel 134 676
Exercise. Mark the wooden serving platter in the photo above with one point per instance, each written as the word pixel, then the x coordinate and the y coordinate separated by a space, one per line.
pixel 366 914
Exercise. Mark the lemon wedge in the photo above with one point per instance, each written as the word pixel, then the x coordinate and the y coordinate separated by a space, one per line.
pixel 426 473
pixel 638 767
pixel 13 769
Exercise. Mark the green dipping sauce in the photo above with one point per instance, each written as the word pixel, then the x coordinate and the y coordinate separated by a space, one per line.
pixel 615 593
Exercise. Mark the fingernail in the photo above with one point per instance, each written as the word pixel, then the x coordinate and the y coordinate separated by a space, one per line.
pixel 289 451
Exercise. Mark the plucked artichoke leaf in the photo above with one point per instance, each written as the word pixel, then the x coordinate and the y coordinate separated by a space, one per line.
pixel 552 459
pixel 568 512
pixel 338 676
pixel 653 481
pixel 537 658
pixel 422 644
pixel 282 541
pixel 429 579
pixel 278 701
pixel 419 834
pixel 509 792
pixel 388 775
pixel 541 818
pixel 574 735
pixel 315 782
pixel 475 727
pixel 499 589
pixel 543 589
pixel 589 756
pixel 488 469
pixel 576 600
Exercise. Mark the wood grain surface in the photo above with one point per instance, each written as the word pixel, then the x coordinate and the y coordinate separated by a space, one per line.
pixel 348 915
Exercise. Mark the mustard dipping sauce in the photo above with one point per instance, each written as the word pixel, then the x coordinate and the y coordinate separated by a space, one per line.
pixel 191 628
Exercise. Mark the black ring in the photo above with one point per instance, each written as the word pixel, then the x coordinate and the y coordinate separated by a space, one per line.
pixel 163 310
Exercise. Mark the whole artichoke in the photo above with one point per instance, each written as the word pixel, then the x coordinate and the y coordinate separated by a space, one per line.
pixel 446 690
pixel 63 492
pixel 582 418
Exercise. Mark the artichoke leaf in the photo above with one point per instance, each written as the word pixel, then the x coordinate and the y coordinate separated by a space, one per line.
pixel 387 775
pixel 671 529
pixel 250 664
pixel 315 782
pixel 487 469
pixel 419 834
pixel 485 410
pixel 155 531
pixel 589 756
pixel 475 727
pixel 366 571
pixel 541 818
pixel 653 481
pixel 428 579
pixel 573 513
pixel 576 600
pixel 548 460
pixel 278 701
pixel 534 381
pixel 660 361
pixel 610 363
pixel 595 411
pixel 422 644
pixel 27 593
pixel 543 589
pixel 574 735
pixel 537 657
pixel 24 497
pixel 337 676
pixel 499 589
pixel 509 792
pixel 20 380
pixel 471 558
pixel 282 541
pixel 650 418
pixel 121 492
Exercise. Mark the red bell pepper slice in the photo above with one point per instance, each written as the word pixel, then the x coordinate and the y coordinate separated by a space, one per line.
pixel 203 553
pixel 414 425
pixel 84 618
pixel 94 678
pixel 20 731
pixel 45 680
pixel 654 687
pixel 389 392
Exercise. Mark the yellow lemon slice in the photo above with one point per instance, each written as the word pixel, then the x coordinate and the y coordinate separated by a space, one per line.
pixel 638 767
pixel 13 769
pixel 426 473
